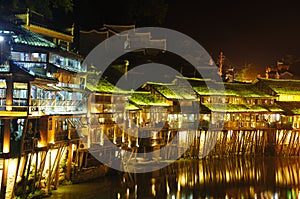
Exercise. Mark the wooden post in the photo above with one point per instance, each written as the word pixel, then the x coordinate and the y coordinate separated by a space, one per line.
pixel 6 151
pixel 35 171
pixel 6 137
pixel 4 178
pixel 56 166
pixel 56 177
pixel 42 166
pixel 27 174
pixel 49 174
pixel 9 93
pixel 69 163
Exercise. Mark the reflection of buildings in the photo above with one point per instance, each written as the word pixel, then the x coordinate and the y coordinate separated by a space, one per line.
pixel 218 178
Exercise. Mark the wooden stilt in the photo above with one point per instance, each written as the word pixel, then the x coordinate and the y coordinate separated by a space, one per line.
pixel 69 163
pixel 49 174
pixel 41 168
pixel 35 171
pixel 4 178
pixel 19 158
pixel 55 169
pixel 56 177
pixel 25 174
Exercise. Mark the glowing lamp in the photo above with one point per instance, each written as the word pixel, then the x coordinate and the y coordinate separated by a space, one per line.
pixel 6 147
pixel 9 108
pixel 1 38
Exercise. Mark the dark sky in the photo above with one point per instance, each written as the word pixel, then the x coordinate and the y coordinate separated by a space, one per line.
pixel 246 31
pixel 259 32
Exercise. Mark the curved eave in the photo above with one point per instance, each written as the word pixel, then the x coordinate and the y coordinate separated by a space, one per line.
pixel 49 33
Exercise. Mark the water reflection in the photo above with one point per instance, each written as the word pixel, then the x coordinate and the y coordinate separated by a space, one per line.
pixel 189 179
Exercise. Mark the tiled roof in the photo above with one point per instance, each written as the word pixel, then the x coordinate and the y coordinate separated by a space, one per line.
pixel 231 89
pixel 105 87
pixel 146 99
pixel 283 86
pixel 26 37
pixel 171 91
pixel 131 107
pixel 290 108
pixel 30 72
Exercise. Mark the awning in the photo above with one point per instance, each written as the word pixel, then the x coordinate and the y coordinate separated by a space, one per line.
pixel 290 108
pixel 242 108
pixel 57 88
pixel 46 87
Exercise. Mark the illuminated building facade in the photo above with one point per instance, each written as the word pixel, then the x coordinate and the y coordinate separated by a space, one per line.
pixel 48 113
pixel 42 110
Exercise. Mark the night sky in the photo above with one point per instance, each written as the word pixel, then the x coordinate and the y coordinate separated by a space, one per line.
pixel 246 31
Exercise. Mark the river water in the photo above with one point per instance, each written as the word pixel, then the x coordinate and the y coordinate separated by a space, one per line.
pixel 190 179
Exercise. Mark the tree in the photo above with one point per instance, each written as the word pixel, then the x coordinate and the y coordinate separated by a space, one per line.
pixel 149 12
pixel 44 7
pixel 250 73
pixel 91 14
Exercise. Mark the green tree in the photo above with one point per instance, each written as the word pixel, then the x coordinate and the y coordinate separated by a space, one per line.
pixel 250 73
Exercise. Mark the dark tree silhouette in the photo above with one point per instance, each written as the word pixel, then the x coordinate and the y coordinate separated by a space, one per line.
pixel 44 7
pixel 91 14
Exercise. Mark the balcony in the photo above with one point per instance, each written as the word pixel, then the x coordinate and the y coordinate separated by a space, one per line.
pixel 20 111
pixel 65 135
pixel 52 106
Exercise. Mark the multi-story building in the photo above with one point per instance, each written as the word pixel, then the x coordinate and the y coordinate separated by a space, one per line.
pixel 286 94
pixel 259 118
pixel 42 110
pixel 37 23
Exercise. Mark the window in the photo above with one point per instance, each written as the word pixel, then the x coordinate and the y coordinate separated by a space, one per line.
pixel 20 94
pixel 2 93
pixel 65 62
pixel 50 124
pixel 34 57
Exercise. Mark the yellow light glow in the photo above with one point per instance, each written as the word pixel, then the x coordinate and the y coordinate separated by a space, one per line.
pixel 178 186
pixel 42 143
pixel 154 135
pixel 153 190
pixel 182 180
pixel 227 176
pixel 11 172
pixel 137 142
pixel 12 113
pixel 168 188
pixel 8 108
pixel 6 146
pixel 129 141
